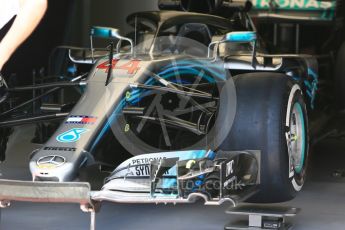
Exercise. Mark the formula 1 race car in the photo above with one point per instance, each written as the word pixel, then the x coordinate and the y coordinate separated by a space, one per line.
pixel 187 106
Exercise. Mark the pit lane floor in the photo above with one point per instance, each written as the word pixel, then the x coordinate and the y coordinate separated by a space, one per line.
pixel 322 200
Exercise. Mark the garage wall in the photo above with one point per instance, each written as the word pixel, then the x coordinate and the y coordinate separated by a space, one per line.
pixel 112 13
pixel 33 54
pixel 68 22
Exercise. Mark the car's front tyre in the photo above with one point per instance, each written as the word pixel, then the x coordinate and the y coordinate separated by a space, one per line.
pixel 271 117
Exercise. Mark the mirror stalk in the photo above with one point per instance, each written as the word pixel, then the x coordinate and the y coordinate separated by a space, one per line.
pixel 110 33
pixel 110 67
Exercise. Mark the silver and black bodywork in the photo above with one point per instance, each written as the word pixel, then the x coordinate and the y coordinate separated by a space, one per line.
pixel 167 158
pixel 310 27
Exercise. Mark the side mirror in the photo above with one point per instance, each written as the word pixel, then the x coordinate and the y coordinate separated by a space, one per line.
pixel 109 33
pixel 105 32
pixel 237 37
pixel 241 37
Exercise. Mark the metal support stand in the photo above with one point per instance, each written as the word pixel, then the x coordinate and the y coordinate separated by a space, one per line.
pixel 93 220
pixel 261 217
pixel 92 209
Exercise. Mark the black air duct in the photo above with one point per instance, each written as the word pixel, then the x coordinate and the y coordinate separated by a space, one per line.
pixel 200 6
pixel 205 6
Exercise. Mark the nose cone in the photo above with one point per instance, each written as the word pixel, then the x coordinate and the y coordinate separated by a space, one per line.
pixel 58 167
pixel 44 169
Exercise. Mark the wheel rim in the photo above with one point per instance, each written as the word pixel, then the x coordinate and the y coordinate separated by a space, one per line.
pixel 296 140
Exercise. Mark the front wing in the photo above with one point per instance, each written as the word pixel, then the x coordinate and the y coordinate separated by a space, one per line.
pixel 228 167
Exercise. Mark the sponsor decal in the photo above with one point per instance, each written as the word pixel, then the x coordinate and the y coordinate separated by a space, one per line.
pixel 295 4
pixel 141 161
pixel 81 120
pixel 229 168
pixel 72 135
pixel 64 149
pixel 50 162
pixel 131 67
pixel 144 170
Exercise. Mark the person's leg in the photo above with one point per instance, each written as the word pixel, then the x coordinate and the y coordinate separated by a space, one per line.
pixel 28 17
pixel 3 85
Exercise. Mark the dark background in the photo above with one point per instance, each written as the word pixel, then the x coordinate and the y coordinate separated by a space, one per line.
pixel 68 22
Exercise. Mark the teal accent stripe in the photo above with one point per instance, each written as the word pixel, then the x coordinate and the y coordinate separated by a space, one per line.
pixel 303 136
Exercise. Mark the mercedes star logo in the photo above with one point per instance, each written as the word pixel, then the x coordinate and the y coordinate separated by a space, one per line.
pixel 50 162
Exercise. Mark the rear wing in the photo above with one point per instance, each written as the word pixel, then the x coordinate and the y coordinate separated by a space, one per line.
pixel 291 10
pixel 288 10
